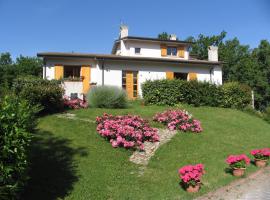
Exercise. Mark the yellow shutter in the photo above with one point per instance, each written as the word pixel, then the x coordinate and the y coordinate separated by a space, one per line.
pixel 86 73
pixel 129 84
pixel 181 51
pixel 192 76
pixel 58 72
pixel 169 75
pixel 163 50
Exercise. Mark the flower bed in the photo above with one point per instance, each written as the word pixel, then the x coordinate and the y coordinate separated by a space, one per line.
pixel 74 103
pixel 179 119
pixel 191 175
pixel 126 131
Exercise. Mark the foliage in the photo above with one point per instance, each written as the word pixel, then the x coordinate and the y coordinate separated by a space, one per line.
pixel 191 174
pixel 74 103
pixel 178 119
pixel 261 154
pixel 17 121
pixel 127 131
pixel 171 92
pixel 46 93
pixel 164 36
pixel 107 97
pixel 236 95
pixel 238 161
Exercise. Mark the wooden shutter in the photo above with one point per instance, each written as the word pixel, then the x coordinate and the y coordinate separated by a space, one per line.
pixel 58 72
pixel 169 75
pixel 163 50
pixel 86 73
pixel 192 76
pixel 181 51
pixel 129 84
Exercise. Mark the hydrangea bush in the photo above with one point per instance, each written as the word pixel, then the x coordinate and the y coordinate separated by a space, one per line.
pixel 74 103
pixel 261 154
pixel 238 161
pixel 179 119
pixel 191 174
pixel 126 131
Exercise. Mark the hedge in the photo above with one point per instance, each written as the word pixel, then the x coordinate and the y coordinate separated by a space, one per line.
pixel 171 92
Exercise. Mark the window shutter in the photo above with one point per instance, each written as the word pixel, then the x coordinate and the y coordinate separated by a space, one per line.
pixel 163 50
pixel 86 73
pixel 58 72
pixel 181 51
pixel 169 75
pixel 192 76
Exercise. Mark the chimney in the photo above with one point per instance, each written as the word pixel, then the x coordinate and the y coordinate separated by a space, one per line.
pixel 213 53
pixel 123 31
pixel 173 37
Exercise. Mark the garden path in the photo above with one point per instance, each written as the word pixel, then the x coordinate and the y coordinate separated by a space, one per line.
pixel 254 187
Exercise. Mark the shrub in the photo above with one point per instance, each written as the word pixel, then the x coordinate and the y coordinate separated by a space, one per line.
pixel 236 95
pixel 46 93
pixel 238 161
pixel 17 121
pixel 127 131
pixel 74 103
pixel 171 92
pixel 261 154
pixel 107 97
pixel 178 119
pixel 191 174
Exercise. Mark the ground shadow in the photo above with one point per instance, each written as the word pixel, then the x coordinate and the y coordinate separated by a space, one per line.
pixel 52 168
pixel 228 170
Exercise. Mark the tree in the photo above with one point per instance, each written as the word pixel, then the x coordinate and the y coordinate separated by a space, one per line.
pixel 29 66
pixel 164 36
pixel 5 59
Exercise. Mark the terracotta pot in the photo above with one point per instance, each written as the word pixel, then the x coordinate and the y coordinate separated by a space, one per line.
pixel 193 189
pixel 260 163
pixel 239 171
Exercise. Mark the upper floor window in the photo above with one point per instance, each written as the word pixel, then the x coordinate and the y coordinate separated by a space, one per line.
pixel 72 71
pixel 171 51
pixel 137 50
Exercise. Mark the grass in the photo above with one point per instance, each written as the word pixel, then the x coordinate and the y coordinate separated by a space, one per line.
pixel 69 160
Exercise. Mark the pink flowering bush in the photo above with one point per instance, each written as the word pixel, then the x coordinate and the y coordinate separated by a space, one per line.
pixel 191 174
pixel 261 154
pixel 238 161
pixel 179 119
pixel 126 131
pixel 74 103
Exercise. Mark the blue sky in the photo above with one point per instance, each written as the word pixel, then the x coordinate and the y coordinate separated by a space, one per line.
pixel 31 26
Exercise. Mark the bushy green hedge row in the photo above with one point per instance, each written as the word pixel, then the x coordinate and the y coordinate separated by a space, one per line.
pixel 171 92
pixel 46 93
pixel 17 121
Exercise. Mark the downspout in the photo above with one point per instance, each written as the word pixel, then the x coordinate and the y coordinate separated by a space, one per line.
pixel 211 78
pixel 102 67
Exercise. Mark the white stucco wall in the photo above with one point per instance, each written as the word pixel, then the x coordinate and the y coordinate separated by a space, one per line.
pixel 73 87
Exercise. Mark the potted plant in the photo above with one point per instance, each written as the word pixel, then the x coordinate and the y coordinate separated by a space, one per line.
pixel 191 177
pixel 261 156
pixel 238 164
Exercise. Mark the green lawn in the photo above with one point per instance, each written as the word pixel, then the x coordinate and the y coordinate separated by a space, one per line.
pixel 69 160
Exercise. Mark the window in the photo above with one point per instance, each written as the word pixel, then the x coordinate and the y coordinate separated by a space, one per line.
pixel 124 79
pixel 171 51
pixel 137 50
pixel 181 76
pixel 135 85
pixel 72 71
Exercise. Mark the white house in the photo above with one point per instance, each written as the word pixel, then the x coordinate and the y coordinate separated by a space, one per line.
pixel 133 60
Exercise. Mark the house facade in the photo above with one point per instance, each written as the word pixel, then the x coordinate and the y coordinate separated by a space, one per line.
pixel 133 60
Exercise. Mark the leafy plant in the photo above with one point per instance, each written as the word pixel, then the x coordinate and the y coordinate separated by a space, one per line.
pixel 107 97
pixel 238 161
pixel 46 93
pixel 17 121
pixel 191 174
pixel 261 154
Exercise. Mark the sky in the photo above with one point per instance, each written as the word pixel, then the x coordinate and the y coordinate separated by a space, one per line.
pixel 31 26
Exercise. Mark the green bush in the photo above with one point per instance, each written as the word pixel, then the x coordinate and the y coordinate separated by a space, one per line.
pixel 46 93
pixel 17 121
pixel 107 97
pixel 171 92
pixel 236 95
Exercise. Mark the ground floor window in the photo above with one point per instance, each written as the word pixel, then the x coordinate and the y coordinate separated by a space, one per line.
pixel 72 71
pixel 181 76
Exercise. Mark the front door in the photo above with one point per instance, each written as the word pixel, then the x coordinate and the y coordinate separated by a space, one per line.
pixel 130 83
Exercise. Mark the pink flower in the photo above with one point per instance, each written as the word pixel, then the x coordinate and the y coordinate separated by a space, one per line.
pixel 190 173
